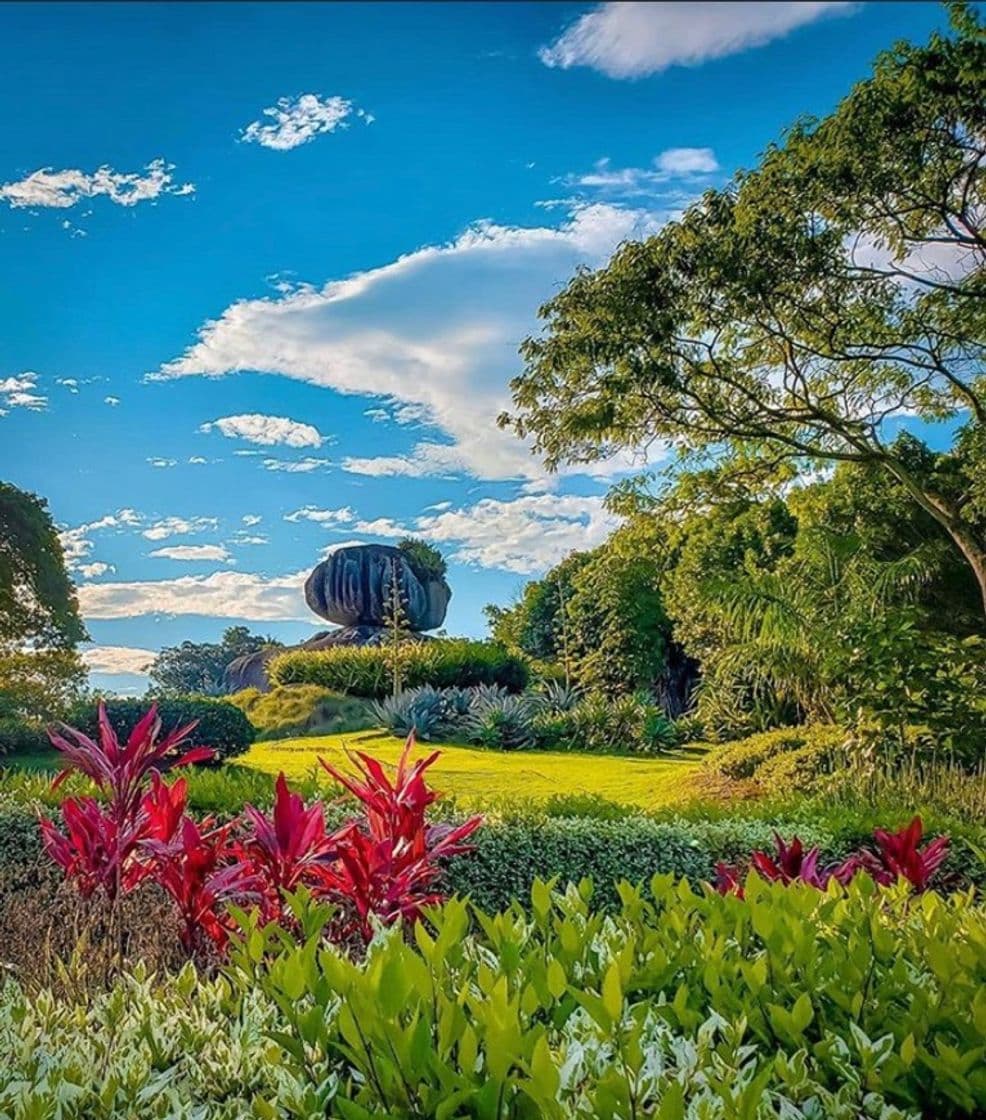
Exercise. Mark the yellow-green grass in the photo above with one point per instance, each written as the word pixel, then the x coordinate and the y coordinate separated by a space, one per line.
pixel 476 777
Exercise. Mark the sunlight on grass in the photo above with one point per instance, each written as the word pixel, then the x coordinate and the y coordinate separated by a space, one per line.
pixel 474 776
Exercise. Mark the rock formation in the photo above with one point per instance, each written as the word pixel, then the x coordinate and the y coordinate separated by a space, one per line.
pixel 353 588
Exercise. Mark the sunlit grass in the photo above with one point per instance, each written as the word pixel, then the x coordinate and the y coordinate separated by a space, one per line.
pixel 474 776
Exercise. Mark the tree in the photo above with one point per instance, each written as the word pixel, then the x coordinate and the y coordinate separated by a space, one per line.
pixel 794 315
pixel 37 600
pixel 199 667
pixel 426 561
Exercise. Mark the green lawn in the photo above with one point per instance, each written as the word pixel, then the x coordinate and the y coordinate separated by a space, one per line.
pixel 474 776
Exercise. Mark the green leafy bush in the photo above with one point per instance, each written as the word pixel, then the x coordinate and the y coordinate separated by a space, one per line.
pixel 221 725
pixel 365 670
pixel 789 1003
pixel 301 709
pixel 21 736
pixel 803 770
pixel 743 759
pixel 508 856
pixel 598 724
pixel 425 711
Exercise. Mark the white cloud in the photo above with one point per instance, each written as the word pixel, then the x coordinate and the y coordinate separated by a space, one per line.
pixel 223 594
pixel 267 431
pixel 70 383
pixel 178 527
pixel 95 569
pixel 111 401
pixel 62 189
pixel 197 460
pixel 632 40
pixel 681 166
pixel 437 329
pixel 251 519
pixel 322 516
pixel 524 535
pixel 118 659
pixel 297 120
pixel 295 466
pixel 250 540
pixel 76 543
pixel 20 392
pixel 192 552
pixel 425 461
pixel 157 462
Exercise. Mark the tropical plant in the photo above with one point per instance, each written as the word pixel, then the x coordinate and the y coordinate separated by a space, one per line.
pixel 502 722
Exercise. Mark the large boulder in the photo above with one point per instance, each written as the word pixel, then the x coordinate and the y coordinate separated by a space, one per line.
pixel 354 585
pixel 353 588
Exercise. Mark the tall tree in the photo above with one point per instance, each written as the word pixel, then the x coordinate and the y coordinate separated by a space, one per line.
pixel 200 667
pixel 37 600
pixel 799 313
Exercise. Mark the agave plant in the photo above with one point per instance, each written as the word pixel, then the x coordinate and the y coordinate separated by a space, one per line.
pixel 419 710
pixel 556 697
pixel 505 722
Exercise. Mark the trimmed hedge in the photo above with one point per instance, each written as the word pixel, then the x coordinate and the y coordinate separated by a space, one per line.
pixel 221 725
pixel 367 670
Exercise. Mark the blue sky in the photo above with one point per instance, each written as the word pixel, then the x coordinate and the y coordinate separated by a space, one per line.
pixel 266 267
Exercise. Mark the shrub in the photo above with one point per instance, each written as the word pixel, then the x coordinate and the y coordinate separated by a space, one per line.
pixel 601 725
pixel 441 663
pixel 742 759
pixel 508 856
pixel 221 726
pixel 425 711
pixel 803 770
pixel 502 722
pixel 21 736
pixel 302 709
pixel 677 1003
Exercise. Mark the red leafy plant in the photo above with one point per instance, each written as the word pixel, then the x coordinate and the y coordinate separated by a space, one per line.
pixel 898 856
pixel 387 864
pixel 382 866
pixel 101 846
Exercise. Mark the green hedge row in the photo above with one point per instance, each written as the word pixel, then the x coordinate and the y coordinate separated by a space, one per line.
pixel 220 725
pixel 368 670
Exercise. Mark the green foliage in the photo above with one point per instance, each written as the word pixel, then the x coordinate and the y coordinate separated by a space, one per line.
pixel 426 561
pixel 678 1003
pixel 743 759
pixel 21 736
pixel 200 667
pixel 754 330
pixel 500 721
pixel 302 709
pixel 425 711
pixel 219 724
pixel 40 684
pixel 598 724
pixel 364 670
pixel 37 600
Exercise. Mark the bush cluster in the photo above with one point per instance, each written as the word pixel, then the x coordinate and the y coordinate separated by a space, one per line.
pixel 22 736
pixel 787 760
pixel 368 670
pixel 219 724
pixel 301 709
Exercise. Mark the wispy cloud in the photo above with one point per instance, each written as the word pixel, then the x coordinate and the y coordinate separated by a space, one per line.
pixel 114 660
pixel 294 121
pixel 20 392
pixel 437 329
pixel 192 552
pixel 680 167
pixel 166 527
pixel 322 516
pixel 222 594
pixel 632 40
pixel 267 431
pixel 63 189
pixel 296 466
pixel 77 541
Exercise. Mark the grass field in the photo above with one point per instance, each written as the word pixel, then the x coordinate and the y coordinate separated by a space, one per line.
pixel 474 776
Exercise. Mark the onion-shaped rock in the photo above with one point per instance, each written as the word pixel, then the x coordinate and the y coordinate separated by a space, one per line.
pixel 354 585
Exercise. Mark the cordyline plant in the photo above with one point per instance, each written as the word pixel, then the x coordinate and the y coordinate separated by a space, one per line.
pixel 382 867
pixel 898 856
pixel 101 847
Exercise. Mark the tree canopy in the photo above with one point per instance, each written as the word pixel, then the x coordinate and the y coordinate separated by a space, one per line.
pixel 199 667
pixel 38 607
pixel 798 314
